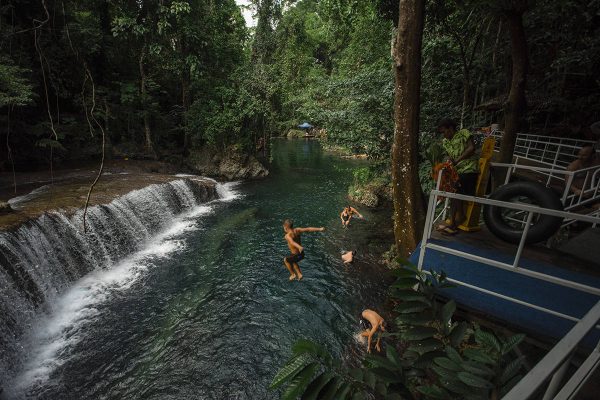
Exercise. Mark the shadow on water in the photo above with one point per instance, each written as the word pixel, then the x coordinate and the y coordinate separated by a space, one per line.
pixel 217 318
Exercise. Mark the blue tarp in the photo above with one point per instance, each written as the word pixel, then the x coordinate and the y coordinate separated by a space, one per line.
pixel 305 125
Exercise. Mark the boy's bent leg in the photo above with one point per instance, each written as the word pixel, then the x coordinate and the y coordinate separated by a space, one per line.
pixel 289 267
pixel 297 271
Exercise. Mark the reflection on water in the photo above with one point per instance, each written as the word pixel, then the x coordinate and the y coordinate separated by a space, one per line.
pixel 216 317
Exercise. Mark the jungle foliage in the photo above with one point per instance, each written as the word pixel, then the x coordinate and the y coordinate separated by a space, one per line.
pixel 428 355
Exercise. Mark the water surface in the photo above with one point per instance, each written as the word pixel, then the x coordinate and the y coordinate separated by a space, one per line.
pixel 206 311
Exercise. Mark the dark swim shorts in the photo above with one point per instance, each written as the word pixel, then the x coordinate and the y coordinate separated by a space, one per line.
pixel 294 258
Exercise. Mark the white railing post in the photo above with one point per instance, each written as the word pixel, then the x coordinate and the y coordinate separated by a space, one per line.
pixel 523 239
pixel 557 378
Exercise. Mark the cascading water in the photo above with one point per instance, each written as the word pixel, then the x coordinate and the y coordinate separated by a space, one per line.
pixel 41 259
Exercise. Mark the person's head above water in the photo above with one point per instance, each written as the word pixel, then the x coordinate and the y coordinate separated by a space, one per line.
pixel 447 127
pixel 288 224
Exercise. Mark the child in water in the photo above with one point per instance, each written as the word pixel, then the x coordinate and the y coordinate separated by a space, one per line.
pixel 292 237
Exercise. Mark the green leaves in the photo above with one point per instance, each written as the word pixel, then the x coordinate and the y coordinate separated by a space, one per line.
pixel 290 370
pixel 299 382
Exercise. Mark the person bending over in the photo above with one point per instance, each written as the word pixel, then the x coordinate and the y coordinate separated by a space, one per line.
pixel 347 213
pixel 460 152
pixel 586 158
pixel 294 242
pixel 371 322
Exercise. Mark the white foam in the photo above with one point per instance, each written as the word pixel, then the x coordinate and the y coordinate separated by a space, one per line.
pixel 74 310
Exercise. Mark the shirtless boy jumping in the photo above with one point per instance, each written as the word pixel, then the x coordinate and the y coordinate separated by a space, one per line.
pixel 292 237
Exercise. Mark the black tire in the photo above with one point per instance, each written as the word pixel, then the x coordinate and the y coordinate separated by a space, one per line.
pixel 542 228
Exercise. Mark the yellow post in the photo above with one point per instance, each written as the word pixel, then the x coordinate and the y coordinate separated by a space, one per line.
pixel 471 223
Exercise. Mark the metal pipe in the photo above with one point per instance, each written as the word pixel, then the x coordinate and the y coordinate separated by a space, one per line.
pixel 523 238
pixel 557 379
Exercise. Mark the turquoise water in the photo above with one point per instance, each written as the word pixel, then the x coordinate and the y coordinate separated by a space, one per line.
pixel 214 315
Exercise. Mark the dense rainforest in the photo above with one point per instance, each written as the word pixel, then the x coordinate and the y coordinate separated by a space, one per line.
pixel 159 78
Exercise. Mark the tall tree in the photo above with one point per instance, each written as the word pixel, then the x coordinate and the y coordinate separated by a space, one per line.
pixel 515 107
pixel 408 200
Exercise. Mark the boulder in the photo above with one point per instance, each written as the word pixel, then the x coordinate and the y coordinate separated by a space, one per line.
pixel 231 164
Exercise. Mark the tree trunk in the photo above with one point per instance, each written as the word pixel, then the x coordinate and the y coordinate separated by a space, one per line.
pixel 408 200
pixel 146 113
pixel 515 108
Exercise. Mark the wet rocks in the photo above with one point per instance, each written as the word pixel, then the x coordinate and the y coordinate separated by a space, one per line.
pixel 231 164
pixel 5 208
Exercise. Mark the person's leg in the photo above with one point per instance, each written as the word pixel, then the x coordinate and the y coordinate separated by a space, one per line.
pixel 297 271
pixel 289 267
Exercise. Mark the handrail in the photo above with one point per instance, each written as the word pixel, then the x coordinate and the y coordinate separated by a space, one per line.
pixel 555 359
pixel 556 362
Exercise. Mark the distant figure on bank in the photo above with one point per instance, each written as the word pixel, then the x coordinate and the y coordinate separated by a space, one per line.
pixel 371 321
pixel 347 213
pixel 294 242
pixel 348 256
pixel 460 152
pixel 586 158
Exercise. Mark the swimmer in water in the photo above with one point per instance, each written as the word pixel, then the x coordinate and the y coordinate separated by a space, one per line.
pixel 348 256
pixel 347 213
pixel 292 237
pixel 371 322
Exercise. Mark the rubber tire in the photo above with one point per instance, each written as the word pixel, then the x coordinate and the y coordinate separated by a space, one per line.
pixel 541 230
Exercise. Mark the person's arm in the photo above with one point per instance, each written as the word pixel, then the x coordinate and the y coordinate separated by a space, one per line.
pixel 310 229
pixel 357 213
pixel 293 243
pixel 342 217
pixel 469 151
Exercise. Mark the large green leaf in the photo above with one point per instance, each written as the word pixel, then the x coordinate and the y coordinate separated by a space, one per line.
pixel 306 346
pixel 393 356
pixel 458 334
pixel 410 307
pixel 299 382
pixel 419 333
pixel 387 376
pixel 378 361
pixel 340 393
pixel 370 379
pixel 410 295
pixel 313 389
pixel 357 373
pixel 425 360
pixel 456 386
pixel 478 355
pixel 447 363
pixel 487 339
pixel 453 355
pixel 474 380
pixel 414 319
pixel 443 373
pixel 511 343
pixel 433 392
pixel 511 369
pixel 447 311
pixel 405 283
pixel 290 370
pixel 425 346
pixel 477 368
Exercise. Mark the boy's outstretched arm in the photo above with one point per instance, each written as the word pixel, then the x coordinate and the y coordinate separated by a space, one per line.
pixel 310 229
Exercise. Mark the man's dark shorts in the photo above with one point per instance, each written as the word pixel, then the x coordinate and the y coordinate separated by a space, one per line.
pixel 467 183
pixel 294 258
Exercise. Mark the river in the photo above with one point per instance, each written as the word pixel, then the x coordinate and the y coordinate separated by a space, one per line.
pixel 205 310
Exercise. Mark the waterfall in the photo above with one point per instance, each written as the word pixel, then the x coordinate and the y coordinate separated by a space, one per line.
pixel 42 258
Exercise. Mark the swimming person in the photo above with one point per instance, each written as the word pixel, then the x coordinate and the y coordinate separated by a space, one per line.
pixel 292 237
pixel 347 213
pixel 348 256
pixel 371 321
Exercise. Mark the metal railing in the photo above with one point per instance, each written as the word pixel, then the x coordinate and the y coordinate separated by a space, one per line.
pixel 551 151
pixel 587 180
pixel 570 342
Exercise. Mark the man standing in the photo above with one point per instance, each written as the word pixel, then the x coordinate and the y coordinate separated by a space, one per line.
pixel 292 237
